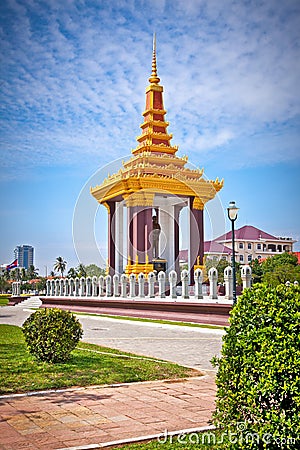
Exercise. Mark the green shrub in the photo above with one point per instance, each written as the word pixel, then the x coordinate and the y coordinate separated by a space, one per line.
pixel 258 379
pixel 51 334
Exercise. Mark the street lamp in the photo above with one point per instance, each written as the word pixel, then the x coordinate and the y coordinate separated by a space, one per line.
pixel 232 211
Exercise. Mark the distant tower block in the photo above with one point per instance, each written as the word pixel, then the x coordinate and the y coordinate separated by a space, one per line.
pixel 154 183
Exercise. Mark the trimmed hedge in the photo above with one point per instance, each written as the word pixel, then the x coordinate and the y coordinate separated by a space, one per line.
pixel 258 379
pixel 51 334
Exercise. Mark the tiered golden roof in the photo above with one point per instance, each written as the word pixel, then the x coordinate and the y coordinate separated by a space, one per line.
pixel 154 167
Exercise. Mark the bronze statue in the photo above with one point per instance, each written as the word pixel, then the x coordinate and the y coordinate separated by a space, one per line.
pixel 155 237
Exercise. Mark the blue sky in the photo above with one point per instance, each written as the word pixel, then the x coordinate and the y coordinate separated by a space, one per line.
pixel 73 79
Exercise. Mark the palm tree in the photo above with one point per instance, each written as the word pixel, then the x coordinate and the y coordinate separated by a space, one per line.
pixel 32 272
pixel 81 271
pixel 72 273
pixel 60 265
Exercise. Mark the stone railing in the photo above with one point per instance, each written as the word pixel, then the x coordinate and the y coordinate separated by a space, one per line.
pixel 145 286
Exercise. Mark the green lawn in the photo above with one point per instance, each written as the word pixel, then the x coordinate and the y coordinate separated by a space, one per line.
pixel 3 300
pixel 20 372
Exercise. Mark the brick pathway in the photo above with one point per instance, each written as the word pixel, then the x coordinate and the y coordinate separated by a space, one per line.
pixel 103 414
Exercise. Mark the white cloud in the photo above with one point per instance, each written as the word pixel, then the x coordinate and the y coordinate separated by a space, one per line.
pixel 75 73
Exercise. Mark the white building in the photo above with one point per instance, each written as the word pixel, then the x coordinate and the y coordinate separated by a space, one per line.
pixel 252 243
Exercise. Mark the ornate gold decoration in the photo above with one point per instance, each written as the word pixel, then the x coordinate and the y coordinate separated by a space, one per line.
pixel 198 203
pixel 139 268
pixel 154 78
pixel 142 198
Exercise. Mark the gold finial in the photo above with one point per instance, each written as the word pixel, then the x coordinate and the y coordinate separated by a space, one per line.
pixel 154 78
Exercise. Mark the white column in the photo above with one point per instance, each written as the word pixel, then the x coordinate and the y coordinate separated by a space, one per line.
pixel 185 284
pixel 166 241
pixel 94 288
pixel 108 286
pixel 101 285
pixel 228 279
pixel 151 281
pixel 173 281
pixel 246 274
pixel 213 282
pixel 71 287
pixel 82 286
pixel 77 285
pixel 119 217
pixel 141 284
pixel 132 285
pixel 57 287
pixel 116 285
pixel 48 288
pixel 162 284
pixel 198 277
pixel 123 285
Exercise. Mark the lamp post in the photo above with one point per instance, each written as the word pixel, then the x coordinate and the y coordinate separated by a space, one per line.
pixel 232 211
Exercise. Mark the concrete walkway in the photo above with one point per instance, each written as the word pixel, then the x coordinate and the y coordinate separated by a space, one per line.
pixel 105 416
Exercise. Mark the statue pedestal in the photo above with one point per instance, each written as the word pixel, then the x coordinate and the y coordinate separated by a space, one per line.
pixel 159 265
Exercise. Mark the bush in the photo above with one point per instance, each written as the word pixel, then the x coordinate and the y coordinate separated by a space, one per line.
pixel 258 379
pixel 51 334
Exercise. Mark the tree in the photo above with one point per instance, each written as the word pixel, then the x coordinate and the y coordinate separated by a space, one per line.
pixel 60 265
pixel 279 260
pixel 51 334
pixel 4 285
pixel 282 274
pixel 72 273
pixel 23 274
pixel 257 270
pixel 280 269
pixel 94 271
pixel 258 384
pixel 31 272
pixel 25 287
pixel 15 274
pixel 41 284
pixel 81 271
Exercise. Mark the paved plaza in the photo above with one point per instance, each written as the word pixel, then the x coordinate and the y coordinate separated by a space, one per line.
pixel 100 416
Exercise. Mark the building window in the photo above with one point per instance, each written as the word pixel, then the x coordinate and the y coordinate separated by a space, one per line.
pixel 241 258
pixel 258 246
pixel 259 257
pixel 241 245
pixel 249 246
pixel 249 258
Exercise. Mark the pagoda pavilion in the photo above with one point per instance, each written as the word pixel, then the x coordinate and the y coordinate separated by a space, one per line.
pixel 145 197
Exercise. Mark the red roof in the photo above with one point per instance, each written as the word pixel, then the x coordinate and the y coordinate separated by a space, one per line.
pixel 209 247
pixel 247 233
pixel 183 255
pixel 216 247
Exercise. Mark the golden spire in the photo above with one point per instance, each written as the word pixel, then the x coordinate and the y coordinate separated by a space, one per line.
pixel 154 78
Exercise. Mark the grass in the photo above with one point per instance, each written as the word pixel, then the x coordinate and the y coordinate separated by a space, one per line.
pixel 4 300
pixel 20 372
pixel 164 322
